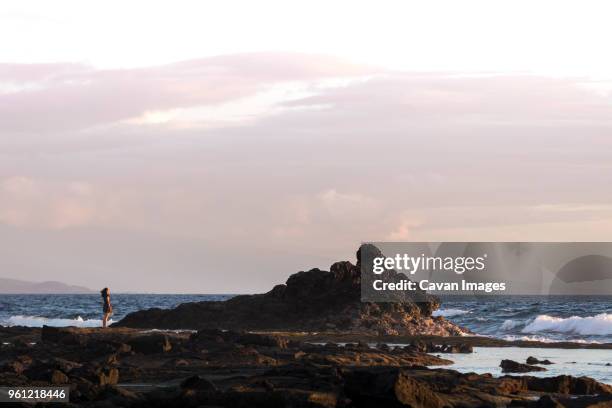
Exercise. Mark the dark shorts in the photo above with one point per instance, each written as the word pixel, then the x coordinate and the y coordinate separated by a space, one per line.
pixel 108 309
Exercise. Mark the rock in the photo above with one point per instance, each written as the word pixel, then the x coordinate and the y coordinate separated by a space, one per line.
pixel 117 396
pixel 262 340
pixel 390 388
pixel 123 348
pixel 108 376
pixel 457 348
pixel 198 383
pixel 383 346
pixel 150 344
pixel 97 375
pixel 565 384
pixel 14 366
pixel 63 335
pixel 309 301
pixel 57 378
pixel 66 365
pixel 509 366
pixel 260 370
pixel 533 360
pixel 548 402
pixel 589 401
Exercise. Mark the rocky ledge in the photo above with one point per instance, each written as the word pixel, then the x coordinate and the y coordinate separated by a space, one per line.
pixel 309 301
pixel 135 368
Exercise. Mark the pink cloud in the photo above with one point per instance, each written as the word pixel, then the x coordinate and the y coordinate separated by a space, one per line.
pixel 68 96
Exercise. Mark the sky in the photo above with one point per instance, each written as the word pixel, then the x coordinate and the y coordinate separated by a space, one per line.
pixel 217 147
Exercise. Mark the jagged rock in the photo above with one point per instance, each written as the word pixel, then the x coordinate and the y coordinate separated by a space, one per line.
pixel 390 388
pixel 533 360
pixel 443 348
pixel 509 366
pixel 309 301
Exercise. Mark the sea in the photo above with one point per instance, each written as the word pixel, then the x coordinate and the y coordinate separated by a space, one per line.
pixel 543 318
pixel 84 310
pixel 583 319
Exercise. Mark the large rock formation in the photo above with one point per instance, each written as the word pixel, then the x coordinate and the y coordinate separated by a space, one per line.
pixel 311 301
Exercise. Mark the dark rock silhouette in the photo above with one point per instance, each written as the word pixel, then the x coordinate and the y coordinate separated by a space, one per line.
pixel 312 301
pixel 532 360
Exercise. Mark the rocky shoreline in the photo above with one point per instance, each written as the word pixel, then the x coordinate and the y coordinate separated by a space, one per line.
pixel 308 343
pixel 143 368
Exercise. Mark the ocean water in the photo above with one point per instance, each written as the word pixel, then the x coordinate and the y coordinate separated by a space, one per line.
pixel 553 318
pixel 83 310
pixel 543 318
pixel 587 362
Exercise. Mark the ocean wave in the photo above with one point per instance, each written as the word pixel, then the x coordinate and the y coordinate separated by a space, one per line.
pixel 599 325
pixel 543 339
pixel 449 312
pixel 510 324
pixel 37 321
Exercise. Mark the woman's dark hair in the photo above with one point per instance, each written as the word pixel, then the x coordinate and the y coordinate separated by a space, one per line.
pixel 104 292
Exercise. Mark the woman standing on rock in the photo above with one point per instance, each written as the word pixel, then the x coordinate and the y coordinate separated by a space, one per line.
pixel 107 308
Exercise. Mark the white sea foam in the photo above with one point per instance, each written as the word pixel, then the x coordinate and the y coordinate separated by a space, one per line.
pixel 176 331
pixel 599 325
pixel 543 339
pixel 449 312
pixel 510 324
pixel 36 321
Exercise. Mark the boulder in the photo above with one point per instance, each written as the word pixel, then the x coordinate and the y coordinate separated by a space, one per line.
pixel 509 366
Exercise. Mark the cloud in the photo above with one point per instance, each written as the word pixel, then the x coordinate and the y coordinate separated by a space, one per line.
pixel 484 99
pixel 25 202
pixel 389 156
pixel 404 229
pixel 51 97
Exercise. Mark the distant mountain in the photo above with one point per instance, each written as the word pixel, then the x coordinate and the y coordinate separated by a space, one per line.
pixel 14 286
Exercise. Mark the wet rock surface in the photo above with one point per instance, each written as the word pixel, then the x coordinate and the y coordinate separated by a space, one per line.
pixel 310 301
pixel 211 367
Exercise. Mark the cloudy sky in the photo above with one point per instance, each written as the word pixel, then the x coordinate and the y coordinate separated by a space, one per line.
pixel 218 147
